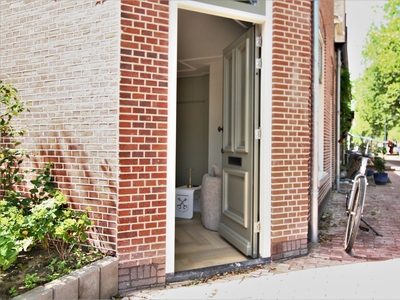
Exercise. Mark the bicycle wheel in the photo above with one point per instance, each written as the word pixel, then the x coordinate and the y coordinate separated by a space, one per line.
pixel 354 215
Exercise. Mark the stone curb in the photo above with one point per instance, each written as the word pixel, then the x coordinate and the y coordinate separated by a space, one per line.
pixel 98 280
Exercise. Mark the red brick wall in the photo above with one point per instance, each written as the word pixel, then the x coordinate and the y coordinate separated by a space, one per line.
pixel 291 136
pixel 292 121
pixel 141 244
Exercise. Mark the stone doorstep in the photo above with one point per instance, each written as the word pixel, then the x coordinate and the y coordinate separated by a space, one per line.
pixel 98 280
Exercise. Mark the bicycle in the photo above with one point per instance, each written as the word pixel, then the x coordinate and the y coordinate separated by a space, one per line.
pixel 356 198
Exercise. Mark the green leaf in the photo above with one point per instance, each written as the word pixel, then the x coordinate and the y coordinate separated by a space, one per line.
pixel 83 237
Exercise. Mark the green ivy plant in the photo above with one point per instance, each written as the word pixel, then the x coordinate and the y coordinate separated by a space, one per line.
pixel 346 115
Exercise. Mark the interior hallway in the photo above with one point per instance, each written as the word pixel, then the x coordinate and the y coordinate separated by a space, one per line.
pixel 196 247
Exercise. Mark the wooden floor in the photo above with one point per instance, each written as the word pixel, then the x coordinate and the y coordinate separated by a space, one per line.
pixel 196 247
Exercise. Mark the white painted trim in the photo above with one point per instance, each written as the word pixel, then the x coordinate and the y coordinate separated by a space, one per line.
pixel 322 178
pixel 265 168
pixel 171 143
pixel 219 11
pixel 266 140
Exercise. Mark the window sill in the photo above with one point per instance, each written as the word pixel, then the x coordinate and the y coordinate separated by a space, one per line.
pixel 322 178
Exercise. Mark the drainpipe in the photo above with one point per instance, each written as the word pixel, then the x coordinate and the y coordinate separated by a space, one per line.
pixel 314 192
pixel 338 133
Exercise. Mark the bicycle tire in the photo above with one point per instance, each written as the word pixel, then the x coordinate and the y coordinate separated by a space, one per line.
pixel 354 215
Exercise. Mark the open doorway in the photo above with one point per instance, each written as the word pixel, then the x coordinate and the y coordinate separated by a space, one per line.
pixel 201 41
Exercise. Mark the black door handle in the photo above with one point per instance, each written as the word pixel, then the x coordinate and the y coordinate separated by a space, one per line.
pixel 220 128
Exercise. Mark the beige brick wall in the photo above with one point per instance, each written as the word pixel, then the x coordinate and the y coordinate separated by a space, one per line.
pixel 63 57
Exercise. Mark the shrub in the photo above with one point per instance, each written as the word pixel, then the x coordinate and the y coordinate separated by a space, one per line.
pixel 51 223
pixel 379 164
pixel 41 215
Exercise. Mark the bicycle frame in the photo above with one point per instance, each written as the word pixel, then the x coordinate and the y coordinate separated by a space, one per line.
pixel 355 203
pixel 356 199
pixel 360 175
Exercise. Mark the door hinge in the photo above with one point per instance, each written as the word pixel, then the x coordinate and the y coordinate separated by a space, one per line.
pixel 257 227
pixel 258 41
pixel 257 134
pixel 258 63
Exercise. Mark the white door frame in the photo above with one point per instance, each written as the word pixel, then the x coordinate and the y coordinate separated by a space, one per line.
pixel 265 114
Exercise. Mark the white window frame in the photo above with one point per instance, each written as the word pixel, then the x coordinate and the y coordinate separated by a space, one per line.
pixel 322 175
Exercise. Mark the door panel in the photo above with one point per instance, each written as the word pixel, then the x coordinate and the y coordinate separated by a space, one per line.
pixel 227 137
pixel 239 207
pixel 235 203
pixel 243 104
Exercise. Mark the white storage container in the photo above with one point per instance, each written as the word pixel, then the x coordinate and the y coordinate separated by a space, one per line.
pixel 187 200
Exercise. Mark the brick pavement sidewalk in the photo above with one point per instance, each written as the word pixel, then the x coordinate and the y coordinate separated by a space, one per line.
pixel 381 211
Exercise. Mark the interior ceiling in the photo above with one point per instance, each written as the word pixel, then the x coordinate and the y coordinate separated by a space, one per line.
pixel 201 40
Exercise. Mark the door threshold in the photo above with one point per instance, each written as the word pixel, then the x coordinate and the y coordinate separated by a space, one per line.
pixel 214 270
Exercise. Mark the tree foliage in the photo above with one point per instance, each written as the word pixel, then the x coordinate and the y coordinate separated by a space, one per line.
pixel 378 90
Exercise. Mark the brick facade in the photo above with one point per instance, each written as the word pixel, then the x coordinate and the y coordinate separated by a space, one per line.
pixel 63 58
pixel 291 135
pixel 96 76
pixel 143 143
pixel 292 121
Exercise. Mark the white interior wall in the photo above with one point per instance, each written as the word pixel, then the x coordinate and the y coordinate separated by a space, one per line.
pixel 192 129
pixel 215 116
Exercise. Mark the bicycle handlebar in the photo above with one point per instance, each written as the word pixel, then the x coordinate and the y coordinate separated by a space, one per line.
pixel 344 134
pixel 366 138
